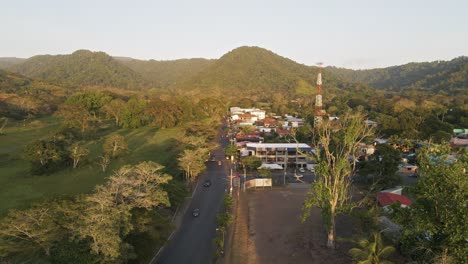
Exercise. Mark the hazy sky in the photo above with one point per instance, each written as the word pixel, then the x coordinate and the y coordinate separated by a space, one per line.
pixel 352 33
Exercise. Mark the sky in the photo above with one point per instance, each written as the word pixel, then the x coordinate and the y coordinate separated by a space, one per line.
pixel 354 34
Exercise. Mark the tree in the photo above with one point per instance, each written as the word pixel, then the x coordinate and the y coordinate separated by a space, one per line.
pixel 192 162
pixel 114 146
pixel 133 115
pixel 334 146
pixel 231 150
pixel 114 109
pixel 434 227
pixel 77 152
pixel 46 155
pixel 382 165
pixel 251 162
pixel 104 161
pixel 41 152
pixel 211 107
pixel 29 230
pixel 265 172
pixel 164 114
pixel 106 218
pixel 92 101
pixel 75 115
pixel 194 142
pixel 372 252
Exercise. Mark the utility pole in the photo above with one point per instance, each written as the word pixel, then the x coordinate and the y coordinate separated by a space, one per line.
pixel 230 189
pixel 285 167
pixel 245 178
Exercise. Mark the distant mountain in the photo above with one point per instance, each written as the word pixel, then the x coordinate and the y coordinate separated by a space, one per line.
pixel 81 68
pixel 164 74
pixel 245 71
pixel 451 76
pixel 254 71
pixel 8 62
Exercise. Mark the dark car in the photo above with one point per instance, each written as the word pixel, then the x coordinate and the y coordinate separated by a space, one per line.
pixel 207 183
pixel 196 212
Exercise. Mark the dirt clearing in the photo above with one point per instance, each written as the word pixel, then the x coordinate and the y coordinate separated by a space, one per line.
pixel 268 230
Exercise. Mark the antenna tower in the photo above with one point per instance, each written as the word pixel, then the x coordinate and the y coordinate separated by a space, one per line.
pixel 318 115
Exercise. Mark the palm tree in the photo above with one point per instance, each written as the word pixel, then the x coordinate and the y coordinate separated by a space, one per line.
pixel 372 252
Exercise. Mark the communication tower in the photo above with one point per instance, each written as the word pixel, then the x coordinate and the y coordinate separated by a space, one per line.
pixel 318 113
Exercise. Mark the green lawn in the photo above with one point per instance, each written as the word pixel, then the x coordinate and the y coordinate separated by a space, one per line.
pixel 18 188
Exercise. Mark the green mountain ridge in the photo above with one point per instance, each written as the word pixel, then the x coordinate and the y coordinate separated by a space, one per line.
pixel 8 62
pixel 436 76
pixel 164 74
pixel 81 68
pixel 254 71
pixel 245 71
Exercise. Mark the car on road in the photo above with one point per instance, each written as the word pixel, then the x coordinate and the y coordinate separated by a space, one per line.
pixel 207 183
pixel 219 163
pixel 196 212
pixel 301 170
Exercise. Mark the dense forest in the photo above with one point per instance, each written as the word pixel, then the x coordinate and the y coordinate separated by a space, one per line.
pixel 81 68
pixel 74 120
pixel 163 74
pixel 437 76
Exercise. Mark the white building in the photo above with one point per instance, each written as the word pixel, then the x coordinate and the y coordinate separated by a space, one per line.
pixel 281 153
pixel 260 114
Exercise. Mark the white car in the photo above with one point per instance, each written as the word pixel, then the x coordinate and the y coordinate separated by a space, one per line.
pixel 301 170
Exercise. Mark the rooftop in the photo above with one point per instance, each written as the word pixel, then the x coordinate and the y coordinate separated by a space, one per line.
pixel 387 198
pixel 279 145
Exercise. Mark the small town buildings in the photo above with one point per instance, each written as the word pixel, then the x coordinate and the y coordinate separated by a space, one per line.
pixel 284 154
pixel 237 112
pixel 387 198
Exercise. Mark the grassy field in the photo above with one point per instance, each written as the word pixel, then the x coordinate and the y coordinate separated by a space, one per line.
pixel 18 188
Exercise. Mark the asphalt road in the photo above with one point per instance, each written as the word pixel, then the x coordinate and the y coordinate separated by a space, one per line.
pixel 193 242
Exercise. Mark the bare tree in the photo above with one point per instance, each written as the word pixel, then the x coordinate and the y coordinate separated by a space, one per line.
pixel 104 161
pixel 336 145
pixel 115 145
pixel 77 152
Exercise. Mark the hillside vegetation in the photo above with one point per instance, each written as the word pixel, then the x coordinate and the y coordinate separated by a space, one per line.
pixel 253 71
pixel 81 68
pixel 436 76
pixel 164 74
pixel 8 62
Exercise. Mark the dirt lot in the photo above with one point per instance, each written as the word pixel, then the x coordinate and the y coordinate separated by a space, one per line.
pixel 268 230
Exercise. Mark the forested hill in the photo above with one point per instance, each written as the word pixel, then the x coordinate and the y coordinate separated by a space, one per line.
pixel 81 68
pixel 164 74
pixel 8 62
pixel 253 71
pixel 450 76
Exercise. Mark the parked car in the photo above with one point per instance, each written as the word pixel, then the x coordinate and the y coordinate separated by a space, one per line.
pixel 301 170
pixel 196 212
pixel 207 183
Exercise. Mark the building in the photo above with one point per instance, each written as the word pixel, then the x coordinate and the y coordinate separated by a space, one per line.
pixel 237 111
pixel 291 154
pixel 387 198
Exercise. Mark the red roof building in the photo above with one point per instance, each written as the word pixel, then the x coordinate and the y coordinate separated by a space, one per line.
pixel 387 198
